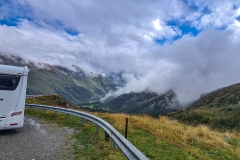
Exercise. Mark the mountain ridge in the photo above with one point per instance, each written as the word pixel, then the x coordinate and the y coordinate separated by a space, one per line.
pixel 144 102
pixel 76 86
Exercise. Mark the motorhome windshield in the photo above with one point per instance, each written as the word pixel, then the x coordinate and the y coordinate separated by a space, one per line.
pixel 9 82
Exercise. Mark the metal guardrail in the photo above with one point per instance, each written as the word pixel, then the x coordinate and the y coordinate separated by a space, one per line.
pixel 129 150
pixel 32 96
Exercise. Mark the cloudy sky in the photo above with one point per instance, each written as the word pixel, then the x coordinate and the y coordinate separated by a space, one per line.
pixel 191 46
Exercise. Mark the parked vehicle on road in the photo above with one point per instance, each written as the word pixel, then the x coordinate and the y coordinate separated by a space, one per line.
pixel 13 84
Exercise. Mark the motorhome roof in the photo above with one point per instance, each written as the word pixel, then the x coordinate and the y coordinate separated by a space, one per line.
pixel 5 69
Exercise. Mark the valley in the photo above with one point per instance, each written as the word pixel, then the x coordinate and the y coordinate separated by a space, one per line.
pixel 218 109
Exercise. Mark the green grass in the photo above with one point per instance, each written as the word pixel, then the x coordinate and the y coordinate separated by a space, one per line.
pixel 195 142
pixel 222 118
pixel 88 145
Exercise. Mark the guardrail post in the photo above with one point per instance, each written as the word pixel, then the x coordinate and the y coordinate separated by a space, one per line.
pixel 106 137
pixel 126 128
pixel 31 110
pixel 67 116
pixel 43 111
pixel 82 121
pixel 112 144
pixel 54 113
pixel 97 129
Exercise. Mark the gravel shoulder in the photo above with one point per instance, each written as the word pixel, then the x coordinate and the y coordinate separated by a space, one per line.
pixel 37 140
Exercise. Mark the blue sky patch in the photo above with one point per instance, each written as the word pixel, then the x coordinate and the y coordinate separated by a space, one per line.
pixel 238 18
pixel 222 28
pixel 235 7
pixel 59 25
pixel 72 31
pixel 4 2
pixel 192 6
pixel 206 10
pixel 10 21
pixel 160 41
pixel 185 28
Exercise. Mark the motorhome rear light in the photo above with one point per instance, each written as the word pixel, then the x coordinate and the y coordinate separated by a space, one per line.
pixel 16 114
pixel 13 124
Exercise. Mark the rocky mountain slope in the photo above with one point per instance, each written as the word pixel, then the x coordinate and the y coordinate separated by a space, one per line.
pixel 218 109
pixel 145 102
pixel 85 89
pixel 74 85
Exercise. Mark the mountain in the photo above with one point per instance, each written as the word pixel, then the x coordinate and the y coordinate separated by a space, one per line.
pixel 75 85
pixel 145 102
pixel 117 78
pixel 81 88
pixel 218 109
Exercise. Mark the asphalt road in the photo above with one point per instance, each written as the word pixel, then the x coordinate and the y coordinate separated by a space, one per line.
pixel 36 140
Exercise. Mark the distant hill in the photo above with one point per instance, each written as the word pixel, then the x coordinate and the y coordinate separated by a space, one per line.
pixel 218 109
pixel 145 102
pixel 75 85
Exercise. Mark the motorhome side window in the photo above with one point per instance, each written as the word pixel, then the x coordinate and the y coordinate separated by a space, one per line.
pixel 9 82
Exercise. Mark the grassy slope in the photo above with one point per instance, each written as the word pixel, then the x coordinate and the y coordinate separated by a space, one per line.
pixel 219 109
pixel 50 100
pixel 158 138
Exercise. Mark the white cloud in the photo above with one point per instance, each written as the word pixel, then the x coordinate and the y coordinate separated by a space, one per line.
pixel 120 37
pixel 157 25
pixel 221 13
pixel 191 66
pixel 237 23
pixel 238 12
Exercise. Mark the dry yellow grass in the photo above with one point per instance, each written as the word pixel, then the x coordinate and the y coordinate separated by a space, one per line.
pixel 200 141
pixel 195 138
pixel 200 136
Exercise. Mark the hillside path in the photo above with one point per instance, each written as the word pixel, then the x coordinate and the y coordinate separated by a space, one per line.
pixel 35 141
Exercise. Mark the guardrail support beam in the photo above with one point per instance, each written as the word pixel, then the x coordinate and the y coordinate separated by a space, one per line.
pixel 31 110
pixel 82 121
pixel 106 137
pixel 97 129
pixel 54 113
pixel 67 116
pixel 43 111
pixel 112 144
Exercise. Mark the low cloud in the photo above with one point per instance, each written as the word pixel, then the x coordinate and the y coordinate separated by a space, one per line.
pixel 103 37
pixel 191 66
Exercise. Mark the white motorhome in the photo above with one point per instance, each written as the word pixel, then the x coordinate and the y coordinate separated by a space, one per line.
pixel 13 84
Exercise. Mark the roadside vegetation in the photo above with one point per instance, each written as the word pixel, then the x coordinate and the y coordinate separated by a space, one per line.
pixel 158 138
pixel 219 109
